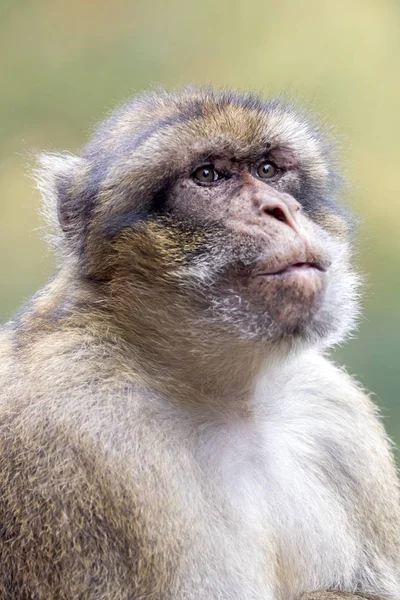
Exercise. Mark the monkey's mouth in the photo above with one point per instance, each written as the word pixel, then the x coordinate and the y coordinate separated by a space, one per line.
pixel 298 267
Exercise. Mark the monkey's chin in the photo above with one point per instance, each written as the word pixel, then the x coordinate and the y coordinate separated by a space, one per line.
pixel 291 298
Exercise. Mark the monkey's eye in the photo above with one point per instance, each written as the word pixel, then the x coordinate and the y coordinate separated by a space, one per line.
pixel 206 174
pixel 266 170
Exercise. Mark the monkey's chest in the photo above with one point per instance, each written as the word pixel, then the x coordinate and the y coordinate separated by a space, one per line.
pixel 284 516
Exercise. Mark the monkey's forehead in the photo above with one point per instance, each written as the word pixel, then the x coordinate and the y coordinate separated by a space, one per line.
pixel 174 129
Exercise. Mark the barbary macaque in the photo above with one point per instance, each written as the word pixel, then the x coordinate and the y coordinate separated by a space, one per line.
pixel 171 427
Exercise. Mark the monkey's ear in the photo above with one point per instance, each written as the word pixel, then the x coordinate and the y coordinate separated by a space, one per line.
pixel 56 177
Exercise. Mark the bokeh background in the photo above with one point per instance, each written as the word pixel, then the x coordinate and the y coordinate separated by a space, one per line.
pixel 65 64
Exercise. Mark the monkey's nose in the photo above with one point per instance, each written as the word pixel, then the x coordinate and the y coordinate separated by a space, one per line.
pixel 282 209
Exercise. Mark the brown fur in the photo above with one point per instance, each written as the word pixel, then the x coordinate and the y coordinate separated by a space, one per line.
pixel 149 338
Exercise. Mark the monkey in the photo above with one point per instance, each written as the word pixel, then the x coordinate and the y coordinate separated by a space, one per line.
pixel 171 423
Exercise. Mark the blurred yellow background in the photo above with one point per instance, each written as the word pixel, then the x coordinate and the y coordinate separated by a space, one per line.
pixel 64 65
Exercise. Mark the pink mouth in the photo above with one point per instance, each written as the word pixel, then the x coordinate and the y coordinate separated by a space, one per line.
pixel 297 267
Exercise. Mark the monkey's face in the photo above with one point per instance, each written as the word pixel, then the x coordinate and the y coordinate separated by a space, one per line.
pixel 222 201
pixel 264 263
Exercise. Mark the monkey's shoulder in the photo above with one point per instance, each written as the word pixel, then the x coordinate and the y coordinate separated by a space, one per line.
pixel 322 416
pixel 311 385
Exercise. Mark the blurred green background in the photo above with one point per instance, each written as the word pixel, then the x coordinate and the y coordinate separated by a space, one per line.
pixel 64 65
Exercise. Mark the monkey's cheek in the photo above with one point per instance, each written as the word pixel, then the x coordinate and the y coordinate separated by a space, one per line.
pixel 291 299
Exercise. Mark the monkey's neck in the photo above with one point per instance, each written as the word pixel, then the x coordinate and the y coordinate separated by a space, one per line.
pixel 189 357
pixel 201 368
pixel 165 342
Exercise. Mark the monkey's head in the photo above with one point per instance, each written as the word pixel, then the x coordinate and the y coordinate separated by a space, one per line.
pixel 220 206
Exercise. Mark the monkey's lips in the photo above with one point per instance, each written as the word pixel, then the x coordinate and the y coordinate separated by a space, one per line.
pixel 295 268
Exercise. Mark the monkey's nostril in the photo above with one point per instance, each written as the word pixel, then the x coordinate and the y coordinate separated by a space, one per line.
pixel 277 213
